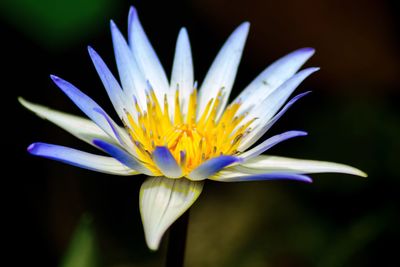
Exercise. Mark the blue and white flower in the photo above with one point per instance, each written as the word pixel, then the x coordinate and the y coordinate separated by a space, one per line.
pixel 177 135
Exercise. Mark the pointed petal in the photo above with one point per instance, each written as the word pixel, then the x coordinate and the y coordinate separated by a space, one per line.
pixel 265 163
pixel 223 70
pixel 267 108
pixel 80 159
pixel 122 156
pixel 111 85
pixel 86 104
pixel 235 176
pixel 270 142
pixel 273 77
pixel 131 76
pixel 145 56
pixel 166 162
pixel 81 128
pixel 267 126
pixel 182 70
pixel 211 166
pixel 162 202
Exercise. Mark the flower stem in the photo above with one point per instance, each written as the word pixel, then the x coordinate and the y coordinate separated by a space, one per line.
pixel 177 241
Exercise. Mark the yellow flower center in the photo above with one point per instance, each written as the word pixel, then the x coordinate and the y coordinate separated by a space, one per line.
pixel 190 141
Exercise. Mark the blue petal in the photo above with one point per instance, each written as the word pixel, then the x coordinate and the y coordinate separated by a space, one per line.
pixel 80 159
pixel 270 142
pixel 85 103
pixel 211 166
pixel 111 85
pixel 122 156
pixel 264 177
pixel 166 162
pixel 112 124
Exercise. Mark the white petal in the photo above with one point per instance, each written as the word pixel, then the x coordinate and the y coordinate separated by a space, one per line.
pixel 270 142
pixel 267 108
pixel 162 202
pixel 132 78
pixel 145 56
pixel 262 164
pixel 223 70
pixel 273 77
pixel 93 111
pixel 81 128
pixel 264 128
pixel 80 159
pixel 182 70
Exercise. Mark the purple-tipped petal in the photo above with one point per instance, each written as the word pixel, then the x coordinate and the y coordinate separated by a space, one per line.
pixel 267 126
pixel 267 108
pixel 241 177
pixel 80 159
pixel 145 56
pixel 211 166
pixel 273 77
pixel 111 85
pixel 122 156
pixel 132 79
pixel 166 162
pixel 112 124
pixel 85 103
pixel 282 111
pixel 270 142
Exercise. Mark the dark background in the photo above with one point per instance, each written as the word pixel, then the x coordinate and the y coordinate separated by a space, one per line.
pixel 352 117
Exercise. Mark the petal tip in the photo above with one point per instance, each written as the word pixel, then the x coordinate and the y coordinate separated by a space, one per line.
pixel 91 50
pixel 245 25
pixel 98 142
pixel 132 12
pixel 307 50
pixel 243 28
pixel 302 133
pixel 183 33
pixel 33 148
pixel 22 101
pixel 306 179
pixel 112 24
pixel 55 78
pixel 166 162
pixel 212 166
pixel 307 72
pixel 314 69
pixel 360 173
pixel 153 245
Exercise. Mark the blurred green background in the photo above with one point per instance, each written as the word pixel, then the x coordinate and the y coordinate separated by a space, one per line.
pixel 352 117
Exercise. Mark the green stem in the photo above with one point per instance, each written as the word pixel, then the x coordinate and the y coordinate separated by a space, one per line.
pixel 177 242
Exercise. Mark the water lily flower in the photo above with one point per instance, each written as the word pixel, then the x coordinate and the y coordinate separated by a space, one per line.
pixel 177 135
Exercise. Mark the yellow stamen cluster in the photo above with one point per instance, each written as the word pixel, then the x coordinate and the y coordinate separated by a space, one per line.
pixel 190 141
